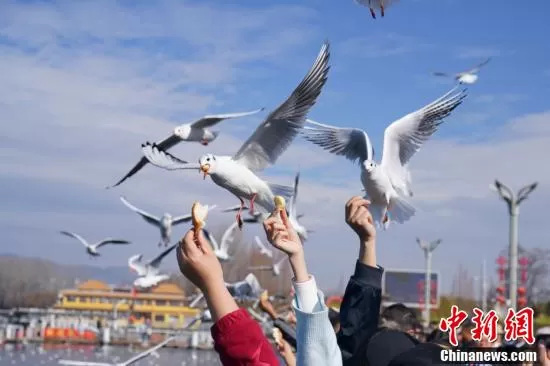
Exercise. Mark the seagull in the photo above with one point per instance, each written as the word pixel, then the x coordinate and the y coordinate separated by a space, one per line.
pixel 129 362
pixel 275 268
pixel 387 184
pixel 197 131
pixel 91 249
pixel 150 280
pixel 292 216
pixel 247 288
pixel 220 250
pixel 466 77
pixel 164 223
pixel 272 137
pixel 151 268
pixel 376 4
pixel 263 248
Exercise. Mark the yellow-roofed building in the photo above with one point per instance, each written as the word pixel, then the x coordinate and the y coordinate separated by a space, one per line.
pixel 164 305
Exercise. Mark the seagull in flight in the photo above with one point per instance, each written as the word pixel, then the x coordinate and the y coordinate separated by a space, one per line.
pixel 275 268
pixel 129 362
pixel 150 280
pixel 198 131
pixel 91 249
pixel 263 248
pixel 221 250
pixel 292 216
pixel 376 4
pixel 245 289
pixel 238 174
pixel 151 267
pixel 387 185
pixel 466 77
pixel 164 223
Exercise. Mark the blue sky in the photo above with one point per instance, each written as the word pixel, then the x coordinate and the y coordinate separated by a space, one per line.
pixel 83 84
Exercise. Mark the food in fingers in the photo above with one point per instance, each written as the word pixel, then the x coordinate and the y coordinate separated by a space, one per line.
pixel 280 203
pixel 278 337
pixel 198 217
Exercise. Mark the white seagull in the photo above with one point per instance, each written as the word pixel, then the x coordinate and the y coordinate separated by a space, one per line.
pixel 387 184
pixel 292 215
pixel 129 362
pixel 221 250
pixel 466 77
pixel 247 288
pixel 376 4
pixel 263 248
pixel 91 249
pixel 151 267
pixel 275 268
pixel 150 280
pixel 197 131
pixel 164 223
pixel 238 174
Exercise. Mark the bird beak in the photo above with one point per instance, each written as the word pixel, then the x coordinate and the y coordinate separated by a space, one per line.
pixel 205 168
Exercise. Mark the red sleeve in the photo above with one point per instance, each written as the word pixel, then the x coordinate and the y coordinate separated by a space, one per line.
pixel 239 340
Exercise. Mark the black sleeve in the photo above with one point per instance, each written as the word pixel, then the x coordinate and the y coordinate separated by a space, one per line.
pixel 359 313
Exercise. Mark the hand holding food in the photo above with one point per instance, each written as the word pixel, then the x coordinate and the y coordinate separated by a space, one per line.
pixel 280 203
pixel 198 217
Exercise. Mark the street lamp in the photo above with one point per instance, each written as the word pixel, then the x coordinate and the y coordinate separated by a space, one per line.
pixel 513 201
pixel 428 248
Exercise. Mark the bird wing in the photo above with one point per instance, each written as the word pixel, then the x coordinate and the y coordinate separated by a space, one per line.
pixel 162 159
pixel 211 120
pixel 275 134
pixel 134 262
pixel 211 239
pixel 147 352
pixel 254 284
pixel 261 245
pixel 227 236
pixel 292 206
pixel 110 241
pixel 478 67
pixel 187 218
pixel 146 216
pixel 440 74
pixel 404 137
pixel 353 143
pixel 156 261
pixel 280 262
pixel 166 144
pixel 76 236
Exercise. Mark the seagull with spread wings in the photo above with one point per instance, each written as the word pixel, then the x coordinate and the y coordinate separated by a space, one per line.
pixel 222 250
pixel 129 362
pixel 91 249
pixel 150 267
pixel 263 248
pixel 246 289
pixel 238 174
pixel 376 4
pixel 198 131
pixel 466 77
pixel 387 184
pixel 275 268
pixel 164 223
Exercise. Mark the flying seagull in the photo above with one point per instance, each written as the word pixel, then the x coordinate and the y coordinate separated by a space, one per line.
pixel 245 289
pixel 387 184
pixel 164 223
pixel 91 249
pixel 275 268
pixel 221 250
pixel 151 267
pixel 129 362
pixel 376 4
pixel 237 174
pixel 150 280
pixel 292 215
pixel 263 248
pixel 466 77
pixel 197 131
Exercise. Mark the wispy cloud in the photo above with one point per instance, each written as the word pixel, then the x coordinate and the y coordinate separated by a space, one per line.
pixel 383 45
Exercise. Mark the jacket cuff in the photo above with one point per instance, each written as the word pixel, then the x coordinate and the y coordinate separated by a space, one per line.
pixel 229 321
pixel 306 294
pixel 368 275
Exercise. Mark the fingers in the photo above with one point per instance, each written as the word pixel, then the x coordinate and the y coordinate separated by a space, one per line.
pixel 204 245
pixel 284 219
pixel 353 205
pixel 189 245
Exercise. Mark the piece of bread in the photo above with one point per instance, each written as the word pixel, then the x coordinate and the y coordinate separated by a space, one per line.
pixel 198 215
pixel 280 202
pixel 277 336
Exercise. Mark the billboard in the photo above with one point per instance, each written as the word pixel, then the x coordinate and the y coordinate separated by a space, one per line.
pixel 407 287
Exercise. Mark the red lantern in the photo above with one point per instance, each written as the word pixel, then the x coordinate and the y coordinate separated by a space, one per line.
pixel 523 261
pixel 523 276
pixel 522 302
pixel 501 261
pixel 420 285
pixel 501 290
pixel 501 300
pixel 522 291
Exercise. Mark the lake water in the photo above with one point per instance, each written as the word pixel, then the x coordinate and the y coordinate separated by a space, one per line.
pixel 37 355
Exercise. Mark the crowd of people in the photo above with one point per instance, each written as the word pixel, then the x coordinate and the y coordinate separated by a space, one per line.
pixel 359 334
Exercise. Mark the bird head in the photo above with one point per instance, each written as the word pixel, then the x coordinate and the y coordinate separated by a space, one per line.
pixel 207 164
pixel 182 131
pixel 369 165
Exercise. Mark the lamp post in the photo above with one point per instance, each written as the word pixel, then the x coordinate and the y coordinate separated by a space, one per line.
pixel 428 248
pixel 513 201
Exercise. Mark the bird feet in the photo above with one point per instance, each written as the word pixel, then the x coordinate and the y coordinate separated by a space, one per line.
pixel 382 10
pixel 204 142
pixel 239 221
pixel 372 13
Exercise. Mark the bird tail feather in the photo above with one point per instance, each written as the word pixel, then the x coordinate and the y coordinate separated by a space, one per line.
pixel 281 190
pixel 401 210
